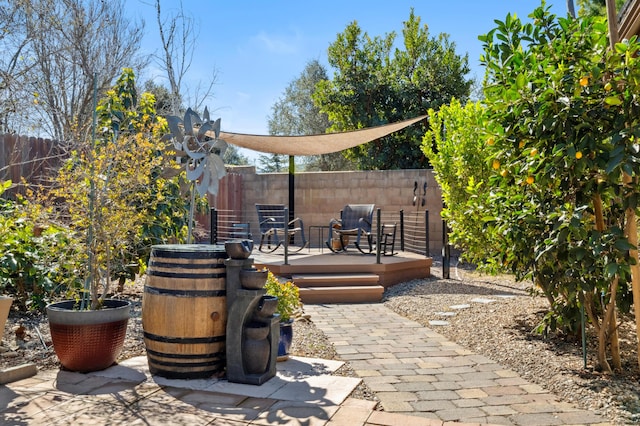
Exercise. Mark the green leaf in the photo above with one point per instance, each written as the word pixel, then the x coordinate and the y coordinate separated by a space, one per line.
pixel 623 244
pixel 613 100
pixel 579 253
pixel 610 270
pixel 621 48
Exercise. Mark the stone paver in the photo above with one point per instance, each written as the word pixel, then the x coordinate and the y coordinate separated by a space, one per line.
pixel 445 382
pixel 420 378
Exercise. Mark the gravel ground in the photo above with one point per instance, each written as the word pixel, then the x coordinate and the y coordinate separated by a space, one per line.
pixel 501 330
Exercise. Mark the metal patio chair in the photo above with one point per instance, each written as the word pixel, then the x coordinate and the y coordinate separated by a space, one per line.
pixel 355 221
pixel 274 226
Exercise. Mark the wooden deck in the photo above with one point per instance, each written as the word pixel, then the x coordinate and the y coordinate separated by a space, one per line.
pixel 351 277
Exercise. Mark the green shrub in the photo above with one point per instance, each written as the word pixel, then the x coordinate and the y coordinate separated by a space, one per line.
pixel 29 256
pixel 288 296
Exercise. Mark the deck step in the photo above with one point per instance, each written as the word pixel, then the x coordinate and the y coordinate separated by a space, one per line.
pixel 335 280
pixel 342 294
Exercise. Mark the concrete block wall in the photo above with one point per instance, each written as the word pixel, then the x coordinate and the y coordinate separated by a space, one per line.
pixel 319 196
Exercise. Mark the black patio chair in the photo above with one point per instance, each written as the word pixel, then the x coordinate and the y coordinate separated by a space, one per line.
pixel 275 226
pixel 355 221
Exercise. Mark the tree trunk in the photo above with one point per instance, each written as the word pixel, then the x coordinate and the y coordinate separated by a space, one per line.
pixel 608 332
pixel 631 226
pixel 605 335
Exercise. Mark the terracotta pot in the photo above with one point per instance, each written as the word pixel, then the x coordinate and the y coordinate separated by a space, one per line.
pixel 88 340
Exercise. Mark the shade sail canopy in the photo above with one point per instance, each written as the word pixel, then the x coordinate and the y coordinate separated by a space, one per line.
pixel 325 143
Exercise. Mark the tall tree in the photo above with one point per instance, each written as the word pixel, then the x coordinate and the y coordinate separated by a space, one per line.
pixel 60 45
pixel 562 120
pixel 163 97
pixel 374 84
pixel 233 156
pixel 272 163
pixel 296 114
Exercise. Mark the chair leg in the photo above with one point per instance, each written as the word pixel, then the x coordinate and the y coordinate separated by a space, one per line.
pixel 369 241
pixel 328 243
pixel 270 250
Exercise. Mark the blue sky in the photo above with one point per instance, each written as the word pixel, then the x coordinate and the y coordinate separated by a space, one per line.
pixel 258 47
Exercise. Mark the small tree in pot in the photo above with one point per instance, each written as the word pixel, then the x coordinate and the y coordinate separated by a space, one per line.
pixel 106 194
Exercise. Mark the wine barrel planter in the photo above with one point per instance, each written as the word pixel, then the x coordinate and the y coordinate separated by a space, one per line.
pixel 184 311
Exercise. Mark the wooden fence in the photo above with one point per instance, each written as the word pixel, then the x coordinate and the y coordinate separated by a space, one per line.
pixel 27 158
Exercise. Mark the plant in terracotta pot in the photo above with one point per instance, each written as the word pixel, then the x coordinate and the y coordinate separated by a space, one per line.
pixel 289 307
pixel 104 195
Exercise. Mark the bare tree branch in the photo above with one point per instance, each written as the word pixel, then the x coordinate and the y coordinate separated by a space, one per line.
pixel 179 35
pixel 59 45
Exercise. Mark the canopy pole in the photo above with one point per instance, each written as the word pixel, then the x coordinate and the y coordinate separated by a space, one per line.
pixel 292 172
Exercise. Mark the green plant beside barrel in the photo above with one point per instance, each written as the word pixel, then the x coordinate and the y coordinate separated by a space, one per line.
pixel 289 304
pixel 289 307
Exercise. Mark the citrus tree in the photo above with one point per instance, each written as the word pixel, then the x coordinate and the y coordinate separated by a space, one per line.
pixel 563 111
pixel 560 125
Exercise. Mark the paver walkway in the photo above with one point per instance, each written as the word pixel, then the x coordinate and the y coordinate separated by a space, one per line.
pixel 414 370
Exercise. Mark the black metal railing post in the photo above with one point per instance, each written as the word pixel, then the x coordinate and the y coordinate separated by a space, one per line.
pixel 446 252
pixel 378 235
pixel 427 244
pixel 214 225
pixel 285 228
pixel 401 230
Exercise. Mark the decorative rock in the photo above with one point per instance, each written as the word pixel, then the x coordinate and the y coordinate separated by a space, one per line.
pixel 483 300
pixel 438 323
pixel 446 314
pixel 465 306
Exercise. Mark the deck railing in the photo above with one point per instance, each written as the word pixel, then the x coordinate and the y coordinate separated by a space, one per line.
pixel 412 229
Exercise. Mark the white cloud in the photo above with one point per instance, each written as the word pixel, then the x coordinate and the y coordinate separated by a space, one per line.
pixel 278 44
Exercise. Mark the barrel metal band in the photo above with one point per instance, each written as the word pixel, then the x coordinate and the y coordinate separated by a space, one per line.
pixel 187 364
pixel 183 275
pixel 185 340
pixel 214 355
pixel 184 293
pixel 220 255
pixel 159 264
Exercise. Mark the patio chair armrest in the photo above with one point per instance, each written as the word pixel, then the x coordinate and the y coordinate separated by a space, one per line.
pixel 269 219
pixel 298 220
